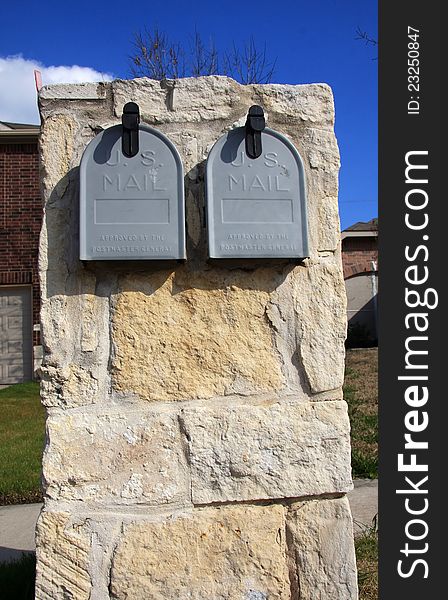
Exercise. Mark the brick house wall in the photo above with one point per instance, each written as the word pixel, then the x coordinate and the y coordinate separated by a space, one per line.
pixel 358 254
pixel 360 263
pixel 20 217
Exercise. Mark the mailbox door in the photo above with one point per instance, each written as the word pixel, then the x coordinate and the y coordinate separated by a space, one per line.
pixel 131 208
pixel 256 208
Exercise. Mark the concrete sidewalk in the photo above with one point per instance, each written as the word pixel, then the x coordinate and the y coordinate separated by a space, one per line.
pixel 17 523
pixel 364 504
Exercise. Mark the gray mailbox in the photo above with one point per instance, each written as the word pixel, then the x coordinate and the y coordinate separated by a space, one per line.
pixel 131 207
pixel 256 207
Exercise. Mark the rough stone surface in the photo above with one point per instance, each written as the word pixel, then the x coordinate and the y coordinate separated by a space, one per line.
pixel 205 108
pixel 57 147
pixel 211 98
pixel 63 548
pixel 321 325
pixel 74 91
pixel 182 335
pixel 228 553
pixel 217 99
pixel 116 458
pixel 198 383
pixel 268 451
pixel 322 152
pixel 320 536
pixel 310 105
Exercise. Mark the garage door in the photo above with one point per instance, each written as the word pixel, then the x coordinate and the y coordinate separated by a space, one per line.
pixel 361 300
pixel 15 335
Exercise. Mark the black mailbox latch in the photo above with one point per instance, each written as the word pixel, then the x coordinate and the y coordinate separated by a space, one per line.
pixel 130 120
pixel 255 124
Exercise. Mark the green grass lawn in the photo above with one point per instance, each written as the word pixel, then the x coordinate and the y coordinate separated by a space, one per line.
pixel 361 394
pixel 366 548
pixel 22 435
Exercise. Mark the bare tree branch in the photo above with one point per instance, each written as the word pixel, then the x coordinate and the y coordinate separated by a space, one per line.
pixel 250 65
pixel 362 35
pixel 157 57
pixel 203 61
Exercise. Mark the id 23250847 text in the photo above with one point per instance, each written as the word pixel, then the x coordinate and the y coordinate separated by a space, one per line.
pixel 413 70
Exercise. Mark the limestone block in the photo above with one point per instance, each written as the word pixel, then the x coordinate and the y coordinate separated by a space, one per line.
pixel 271 450
pixel 320 305
pixel 320 538
pixel 62 551
pixel 73 91
pixel 75 331
pixel 321 153
pixel 184 334
pixel 329 231
pixel 71 385
pixel 311 105
pixel 195 99
pixel 57 141
pixel 118 458
pixel 227 553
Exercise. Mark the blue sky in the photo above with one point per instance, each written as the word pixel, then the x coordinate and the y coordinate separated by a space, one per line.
pixel 312 41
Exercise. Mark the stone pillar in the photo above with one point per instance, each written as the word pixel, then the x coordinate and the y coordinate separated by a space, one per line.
pixel 197 441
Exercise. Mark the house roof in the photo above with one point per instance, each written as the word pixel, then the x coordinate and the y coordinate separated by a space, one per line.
pixel 371 225
pixel 361 229
pixel 7 126
pixel 18 132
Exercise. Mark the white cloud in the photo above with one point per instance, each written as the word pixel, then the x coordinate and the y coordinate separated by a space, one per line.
pixel 18 97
